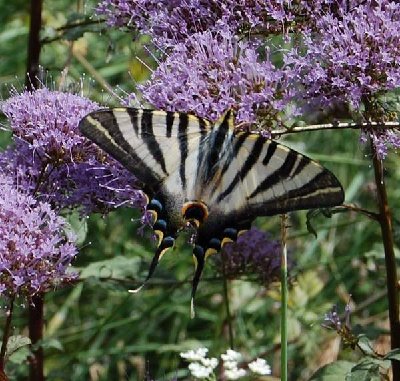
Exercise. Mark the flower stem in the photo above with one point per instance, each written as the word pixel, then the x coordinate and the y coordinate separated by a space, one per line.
pixel 227 305
pixel 6 335
pixel 284 300
pixel 36 335
pixel 385 222
pixel 228 312
pixel 32 76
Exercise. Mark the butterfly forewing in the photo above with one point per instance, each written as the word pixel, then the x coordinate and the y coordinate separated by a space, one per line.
pixel 156 146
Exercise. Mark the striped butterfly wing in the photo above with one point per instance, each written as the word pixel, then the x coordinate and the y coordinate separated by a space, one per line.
pixel 245 175
pixel 227 178
pixel 153 145
pixel 160 149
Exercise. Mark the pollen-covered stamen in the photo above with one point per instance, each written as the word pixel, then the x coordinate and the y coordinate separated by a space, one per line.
pixel 194 212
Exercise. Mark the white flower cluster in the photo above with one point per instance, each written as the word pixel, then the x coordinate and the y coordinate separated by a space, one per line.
pixel 231 370
pixel 200 366
pixel 260 366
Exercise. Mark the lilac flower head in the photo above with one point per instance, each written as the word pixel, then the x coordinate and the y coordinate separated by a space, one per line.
pixel 171 21
pixel 210 73
pixel 56 162
pixel 254 253
pixel 35 251
pixel 351 53
pixel 383 139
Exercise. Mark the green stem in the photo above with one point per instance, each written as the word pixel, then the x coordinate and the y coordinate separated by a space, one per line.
pixel 385 222
pixel 228 312
pixel 284 300
pixel 6 335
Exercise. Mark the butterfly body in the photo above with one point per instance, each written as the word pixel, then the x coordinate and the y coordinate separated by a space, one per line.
pixel 208 176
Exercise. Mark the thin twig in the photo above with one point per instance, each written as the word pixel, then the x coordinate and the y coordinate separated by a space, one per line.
pixel 36 368
pixel 385 222
pixel 32 82
pixel 34 46
pixel 372 215
pixel 6 334
pixel 334 126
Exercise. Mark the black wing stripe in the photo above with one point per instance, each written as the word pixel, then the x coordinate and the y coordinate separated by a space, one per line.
pixel 150 140
pixel 102 128
pixel 133 114
pixel 304 162
pixel 239 140
pixel 251 159
pixel 170 122
pixel 202 147
pixel 183 146
pixel 270 152
pixel 217 141
pixel 279 174
pixel 323 189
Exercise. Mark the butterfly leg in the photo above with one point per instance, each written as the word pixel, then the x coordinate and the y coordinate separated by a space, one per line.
pixel 199 261
pixel 165 245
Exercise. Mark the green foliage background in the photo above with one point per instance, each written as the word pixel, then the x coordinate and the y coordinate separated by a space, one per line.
pixel 96 330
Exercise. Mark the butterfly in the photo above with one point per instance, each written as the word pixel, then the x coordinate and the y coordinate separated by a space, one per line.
pixel 207 176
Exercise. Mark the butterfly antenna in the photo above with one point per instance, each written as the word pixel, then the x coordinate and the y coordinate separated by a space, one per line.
pixel 199 260
pixel 165 244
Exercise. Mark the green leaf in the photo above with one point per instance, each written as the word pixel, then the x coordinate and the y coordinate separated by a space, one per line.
pixel 78 226
pixel 365 370
pixel 365 344
pixel 19 357
pixel 334 371
pixel 393 355
pixel 119 267
pixel 17 348
pixel 52 344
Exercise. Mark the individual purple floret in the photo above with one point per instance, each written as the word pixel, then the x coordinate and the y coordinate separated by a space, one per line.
pixel 58 164
pixel 35 249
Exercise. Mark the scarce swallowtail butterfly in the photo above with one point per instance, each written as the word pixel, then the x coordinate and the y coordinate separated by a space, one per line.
pixel 207 175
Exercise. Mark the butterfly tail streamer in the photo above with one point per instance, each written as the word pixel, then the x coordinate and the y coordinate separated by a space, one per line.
pixel 199 261
pixel 165 245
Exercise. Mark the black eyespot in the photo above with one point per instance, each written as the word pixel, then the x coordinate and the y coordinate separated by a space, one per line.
pixel 230 233
pixel 168 242
pixel 198 251
pixel 214 243
pixel 155 205
pixel 160 225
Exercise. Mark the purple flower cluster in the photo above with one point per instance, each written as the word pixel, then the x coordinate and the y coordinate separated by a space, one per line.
pixel 341 325
pixel 254 253
pixel 35 252
pixel 210 73
pixel 172 21
pixel 351 54
pixel 343 53
pixel 55 162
